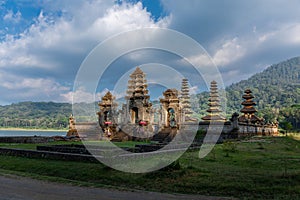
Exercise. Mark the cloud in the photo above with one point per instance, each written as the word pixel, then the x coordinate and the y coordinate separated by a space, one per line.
pixel 44 89
pixel 81 95
pixel 55 45
pixel 230 51
pixel 285 34
pixel 194 90
pixel 13 17
pixel 242 37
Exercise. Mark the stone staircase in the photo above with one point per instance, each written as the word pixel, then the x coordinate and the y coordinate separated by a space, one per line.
pixel 165 135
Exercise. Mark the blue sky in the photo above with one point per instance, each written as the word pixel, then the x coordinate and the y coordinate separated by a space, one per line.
pixel 44 42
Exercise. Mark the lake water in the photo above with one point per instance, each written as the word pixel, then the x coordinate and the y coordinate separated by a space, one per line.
pixel 7 133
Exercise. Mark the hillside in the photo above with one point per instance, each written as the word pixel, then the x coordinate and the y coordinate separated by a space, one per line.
pixel 276 91
pixel 35 115
pixel 276 87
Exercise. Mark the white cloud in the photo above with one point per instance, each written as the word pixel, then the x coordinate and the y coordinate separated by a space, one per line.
pixel 125 17
pixel 229 52
pixel 18 87
pixel 56 46
pixel 43 41
pixel 285 34
pixel 194 90
pixel 201 60
pixel 81 95
pixel 12 17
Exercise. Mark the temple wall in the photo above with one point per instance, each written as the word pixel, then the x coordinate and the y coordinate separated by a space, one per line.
pixel 89 130
pixel 226 127
pixel 262 130
pixel 242 130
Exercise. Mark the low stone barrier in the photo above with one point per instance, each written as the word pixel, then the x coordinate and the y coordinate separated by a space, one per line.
pixel 73 149
pixel 48 155
pixel 24 139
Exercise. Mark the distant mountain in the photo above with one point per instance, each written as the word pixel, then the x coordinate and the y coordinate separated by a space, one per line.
pixel 276 87
pixel 35 115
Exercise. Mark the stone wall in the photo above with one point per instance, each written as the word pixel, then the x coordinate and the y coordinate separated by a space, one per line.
pixel 29 139
pixel 48 155
pixel 225 127
pixel 240 129
pixel 261 130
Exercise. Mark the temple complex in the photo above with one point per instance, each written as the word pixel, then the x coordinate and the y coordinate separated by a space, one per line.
pixel 138 119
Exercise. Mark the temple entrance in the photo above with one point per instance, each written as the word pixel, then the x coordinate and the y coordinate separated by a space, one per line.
pixel 134 115
pixel 106 114
pixel 171 118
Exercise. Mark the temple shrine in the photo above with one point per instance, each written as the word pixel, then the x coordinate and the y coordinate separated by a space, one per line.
pixel 185 98
pixel 72 129
pixel 107 114
pixel 248 110
pixel 138 107
pixel 214 104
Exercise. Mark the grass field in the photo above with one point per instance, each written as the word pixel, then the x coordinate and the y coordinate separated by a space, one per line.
pixel 260 168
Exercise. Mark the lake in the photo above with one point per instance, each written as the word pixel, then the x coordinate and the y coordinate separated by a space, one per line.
pixel 7 133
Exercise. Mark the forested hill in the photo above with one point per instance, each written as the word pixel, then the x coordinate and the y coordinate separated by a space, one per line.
pixel 276 87
pixel 35 115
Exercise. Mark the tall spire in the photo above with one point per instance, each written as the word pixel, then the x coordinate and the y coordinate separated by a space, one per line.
pixel 214 104
pixel 248 110
pixel 137 85
pixel 138 105
pixel 185 97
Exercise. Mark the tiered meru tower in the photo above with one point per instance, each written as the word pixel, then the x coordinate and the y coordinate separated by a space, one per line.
pixel 138 106
pixel 214 105
pixel 185 98
pixel 248 110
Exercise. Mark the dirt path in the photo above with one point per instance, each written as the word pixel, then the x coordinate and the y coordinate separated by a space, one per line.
pixel 20 188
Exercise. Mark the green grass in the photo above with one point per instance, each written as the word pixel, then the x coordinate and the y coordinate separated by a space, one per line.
pixel 262 168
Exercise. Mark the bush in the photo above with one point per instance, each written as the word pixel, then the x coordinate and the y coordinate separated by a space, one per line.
pixel 229 146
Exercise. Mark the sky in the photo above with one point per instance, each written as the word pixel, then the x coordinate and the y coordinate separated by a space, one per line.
pixel 44 42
